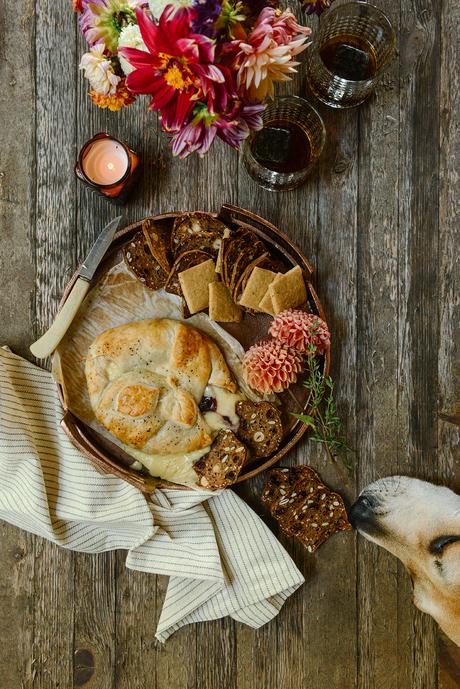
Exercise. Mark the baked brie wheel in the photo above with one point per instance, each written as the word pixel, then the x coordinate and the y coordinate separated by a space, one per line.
pixel 146 380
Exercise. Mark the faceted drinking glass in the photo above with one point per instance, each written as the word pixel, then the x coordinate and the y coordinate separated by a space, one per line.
pixel 281 155
pixel 353 46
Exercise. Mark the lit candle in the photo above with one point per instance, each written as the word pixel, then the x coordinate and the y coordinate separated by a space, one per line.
pixel 107 166
pixel 105 162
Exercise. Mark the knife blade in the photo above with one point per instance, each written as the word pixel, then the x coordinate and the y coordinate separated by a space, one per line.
pixel 97 252
pixel 52 337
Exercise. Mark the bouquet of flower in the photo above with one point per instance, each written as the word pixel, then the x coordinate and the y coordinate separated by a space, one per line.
pixel 207 65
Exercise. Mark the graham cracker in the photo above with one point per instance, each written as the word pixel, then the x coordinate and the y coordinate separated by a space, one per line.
pixel 256 287
pixel 222 308
pixel 194 283
pixel 288 290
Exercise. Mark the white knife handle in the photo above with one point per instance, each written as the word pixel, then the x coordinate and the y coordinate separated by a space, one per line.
pixel 50 340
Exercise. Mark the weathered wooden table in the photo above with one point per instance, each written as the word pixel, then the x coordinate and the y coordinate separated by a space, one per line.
pixel 378 219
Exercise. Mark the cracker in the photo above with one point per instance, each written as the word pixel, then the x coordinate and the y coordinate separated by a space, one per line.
pixel 194 283
pixel 266 303
pixel 186 260
pixel 220 254
pixel 256 287
pixel 196 227
pixel 260 427
pixel 288 290
pixel 303 505
pixel 222 308
pixel 138 257
pixel 157 243
pixel 222 465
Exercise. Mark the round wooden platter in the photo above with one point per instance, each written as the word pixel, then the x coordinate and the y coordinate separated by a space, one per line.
pixel 108 457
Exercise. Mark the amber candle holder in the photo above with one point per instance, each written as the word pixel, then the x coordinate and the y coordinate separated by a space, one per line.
pixel 108 167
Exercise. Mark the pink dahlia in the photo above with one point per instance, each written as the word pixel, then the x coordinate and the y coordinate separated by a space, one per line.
pixel 269 366
pixel 178 68
pixel 302 331
pixel 268 54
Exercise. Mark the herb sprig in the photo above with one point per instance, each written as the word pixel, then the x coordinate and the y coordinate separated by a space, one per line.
pixel 325 425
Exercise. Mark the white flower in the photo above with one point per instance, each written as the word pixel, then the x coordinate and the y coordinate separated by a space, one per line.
pixel 130 37
pixel 99 71
pixel 157 6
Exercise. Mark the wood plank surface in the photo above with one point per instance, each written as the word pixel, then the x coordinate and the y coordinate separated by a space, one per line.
pixel 379 219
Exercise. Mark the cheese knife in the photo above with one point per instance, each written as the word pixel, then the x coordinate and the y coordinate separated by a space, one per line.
pixel 50 340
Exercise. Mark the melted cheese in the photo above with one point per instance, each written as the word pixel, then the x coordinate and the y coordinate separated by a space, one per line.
pixel 226 403
pixel 179 468
pixel 175 468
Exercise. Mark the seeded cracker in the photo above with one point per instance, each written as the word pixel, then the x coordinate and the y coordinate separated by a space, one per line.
pixel 303 506
pixel 256 287
pixel 222 465
pixel 220 255
pixel 222 308
pixel 195 228
pixel 194 283
pixel 260 427
pixel 157 243
pixel 288 290
pixel 138 257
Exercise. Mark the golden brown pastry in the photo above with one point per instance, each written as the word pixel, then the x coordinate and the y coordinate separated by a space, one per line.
pixel 146 380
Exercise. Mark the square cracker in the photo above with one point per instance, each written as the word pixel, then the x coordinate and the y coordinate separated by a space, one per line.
pixel 288 290
pixel 195 285
pixel 266 304
pixel 222 308
pixel 256 287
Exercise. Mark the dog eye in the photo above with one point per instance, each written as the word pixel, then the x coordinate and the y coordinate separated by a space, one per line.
pixel 438 544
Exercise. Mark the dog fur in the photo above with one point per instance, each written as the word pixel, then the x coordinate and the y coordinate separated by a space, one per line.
pixel 419 523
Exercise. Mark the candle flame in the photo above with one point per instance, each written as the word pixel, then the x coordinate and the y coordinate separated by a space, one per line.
pixel 110 166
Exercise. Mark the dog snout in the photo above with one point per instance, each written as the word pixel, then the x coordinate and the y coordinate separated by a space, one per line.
pixel 362 512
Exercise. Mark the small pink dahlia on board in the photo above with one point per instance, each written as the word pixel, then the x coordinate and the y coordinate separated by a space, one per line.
pixel 269 366
pixel 301 331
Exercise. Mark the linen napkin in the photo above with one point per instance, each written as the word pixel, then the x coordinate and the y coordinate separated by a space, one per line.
pixel 220 556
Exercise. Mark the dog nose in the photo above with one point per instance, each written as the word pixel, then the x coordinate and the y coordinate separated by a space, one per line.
pixel 362 512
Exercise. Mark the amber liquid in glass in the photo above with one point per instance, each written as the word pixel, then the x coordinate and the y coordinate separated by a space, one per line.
pixel 349 57
pixel 297 153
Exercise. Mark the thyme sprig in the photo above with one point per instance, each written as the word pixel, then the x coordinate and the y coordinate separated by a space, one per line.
pixel 325 425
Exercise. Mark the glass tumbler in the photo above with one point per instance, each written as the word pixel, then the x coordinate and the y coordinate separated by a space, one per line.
pixel 281 155
pixel 352 48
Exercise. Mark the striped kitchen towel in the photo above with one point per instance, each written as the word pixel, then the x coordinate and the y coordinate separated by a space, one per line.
pixel 221 558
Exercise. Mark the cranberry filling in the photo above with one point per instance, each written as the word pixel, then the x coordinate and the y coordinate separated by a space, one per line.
pixel 208 404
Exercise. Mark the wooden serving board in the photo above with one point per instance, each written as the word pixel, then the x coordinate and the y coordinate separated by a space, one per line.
pixel 108 457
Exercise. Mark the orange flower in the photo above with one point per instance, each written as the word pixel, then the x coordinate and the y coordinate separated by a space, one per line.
pixel 77 5
pixel 120 99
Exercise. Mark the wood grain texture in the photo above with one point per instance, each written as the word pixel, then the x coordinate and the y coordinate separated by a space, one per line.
pixel 379 220
pixel 418 293
pixel 53 250
pixel 17 165
pixel 448 438
pixel 377 366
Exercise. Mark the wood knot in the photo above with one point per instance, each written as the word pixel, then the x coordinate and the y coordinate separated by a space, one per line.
pixel 83 666
pixel 18 554
pixel 341 165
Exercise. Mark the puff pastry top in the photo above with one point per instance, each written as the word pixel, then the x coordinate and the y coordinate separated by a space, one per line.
pixel 145 381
